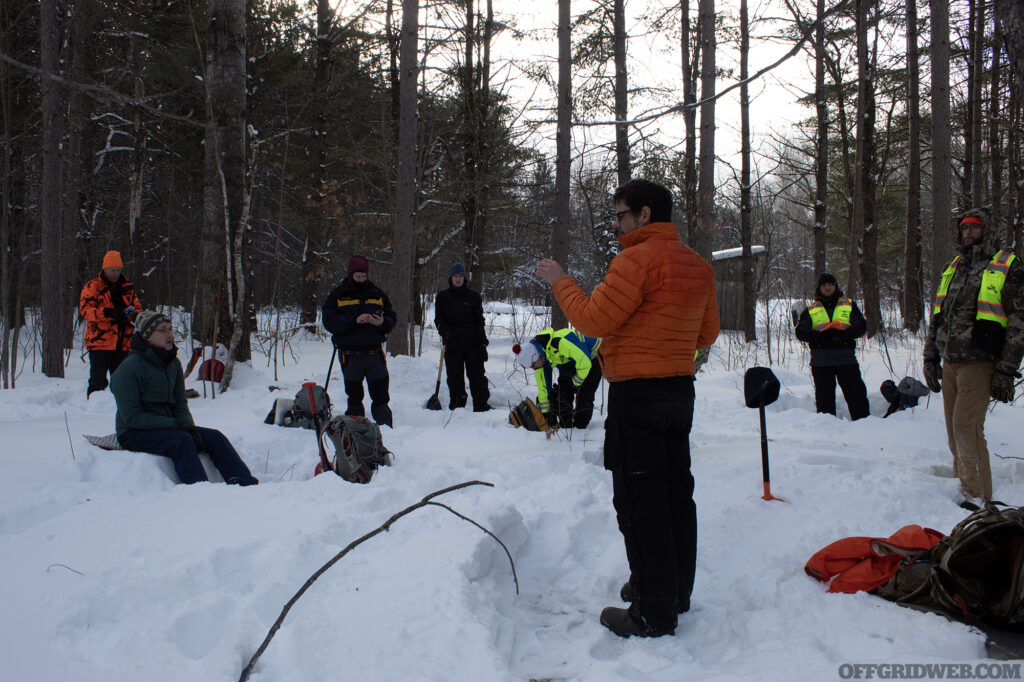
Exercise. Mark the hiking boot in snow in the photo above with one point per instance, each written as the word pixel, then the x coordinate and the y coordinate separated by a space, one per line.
pixel 457 401
pixel 622 623
pixel 626 594
pixel 238 480
pixel 482 408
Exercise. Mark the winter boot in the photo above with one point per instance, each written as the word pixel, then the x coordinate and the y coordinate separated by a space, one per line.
pixel 622 623
pixel 457 401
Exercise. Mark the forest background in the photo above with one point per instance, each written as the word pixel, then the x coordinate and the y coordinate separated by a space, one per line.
pixel 238 152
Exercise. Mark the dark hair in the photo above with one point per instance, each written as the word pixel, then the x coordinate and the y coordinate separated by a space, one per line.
pixel 639 193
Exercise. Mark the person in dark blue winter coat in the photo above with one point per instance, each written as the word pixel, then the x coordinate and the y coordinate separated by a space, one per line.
pixel 152 414
pixel 359 316
pixel 459 317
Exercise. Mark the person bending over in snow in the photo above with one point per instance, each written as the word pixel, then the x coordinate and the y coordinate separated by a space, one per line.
pixel 152 415
pixel 579 374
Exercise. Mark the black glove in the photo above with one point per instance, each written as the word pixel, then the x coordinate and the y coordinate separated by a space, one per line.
pixel 484 352
pixel 116 314
pixel 191 430
pixel 1002 386
pixel 932 375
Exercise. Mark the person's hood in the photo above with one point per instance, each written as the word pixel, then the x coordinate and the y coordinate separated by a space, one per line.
pixel 991 235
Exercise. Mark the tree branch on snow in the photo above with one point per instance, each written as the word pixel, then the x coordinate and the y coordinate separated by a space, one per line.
pixel 428 500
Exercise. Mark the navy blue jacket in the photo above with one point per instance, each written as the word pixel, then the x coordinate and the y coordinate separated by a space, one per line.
pixel 345 303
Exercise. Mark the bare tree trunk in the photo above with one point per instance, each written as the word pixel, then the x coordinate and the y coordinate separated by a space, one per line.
pixel 701 238
pixel 563 161
pixel 1015 188
pixel 749 286
pixel 942 243
pixel 995 125
pixel 1011 21
pixel 224 185
pixel 400 342
pixel 913 297
pixel 821 150
pixel 869 259
pixel 314 256
pixel 977 74
pixel 690 61
pixel 52 275
pixel 470 143
pixel 622 157
pixel 859 173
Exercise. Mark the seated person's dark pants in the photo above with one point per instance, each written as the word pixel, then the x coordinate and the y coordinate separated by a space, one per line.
pixel 179 446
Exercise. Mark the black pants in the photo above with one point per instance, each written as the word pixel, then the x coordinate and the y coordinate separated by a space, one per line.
pixel 102 363
pixel 647 449
pixel 372 366
pixel 850 381
pixel 460 363
pixel 575 406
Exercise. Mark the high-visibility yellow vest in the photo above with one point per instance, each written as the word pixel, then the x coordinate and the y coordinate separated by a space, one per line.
pixel 990 296
pixel 841 314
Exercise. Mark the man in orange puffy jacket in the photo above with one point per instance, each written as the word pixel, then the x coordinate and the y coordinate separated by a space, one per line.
pixel 655 308
pixel 109 305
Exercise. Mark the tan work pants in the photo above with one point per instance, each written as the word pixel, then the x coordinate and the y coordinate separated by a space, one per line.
pixel 965 394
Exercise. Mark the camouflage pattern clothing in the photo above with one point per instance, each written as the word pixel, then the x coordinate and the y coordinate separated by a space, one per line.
pixel 103 332
pixel 949 335
pixel 969 370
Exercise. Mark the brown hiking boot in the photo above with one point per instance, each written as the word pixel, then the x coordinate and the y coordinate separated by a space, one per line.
pixel 626 594
pixel 623 624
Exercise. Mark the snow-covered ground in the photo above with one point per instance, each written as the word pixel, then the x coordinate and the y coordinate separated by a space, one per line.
pixel 110 571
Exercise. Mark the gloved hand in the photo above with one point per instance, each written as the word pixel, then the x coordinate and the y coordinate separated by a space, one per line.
pixel 116 314
pixel 1002 386
pixel 484 349
pixel 191 430
pixel 932 375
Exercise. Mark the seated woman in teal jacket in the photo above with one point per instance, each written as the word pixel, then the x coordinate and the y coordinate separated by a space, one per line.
pixel 579 374
pixel 152 415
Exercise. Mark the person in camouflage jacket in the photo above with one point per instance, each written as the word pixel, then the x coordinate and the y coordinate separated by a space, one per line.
pixel 969 358
pixel 109 305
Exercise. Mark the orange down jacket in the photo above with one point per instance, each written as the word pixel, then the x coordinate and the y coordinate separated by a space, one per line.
pixel 654 309
pixel 101 332
pixel 863 563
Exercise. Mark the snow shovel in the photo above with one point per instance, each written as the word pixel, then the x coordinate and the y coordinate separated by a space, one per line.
pixel 325 464
pixel 760 388
pixel 432 402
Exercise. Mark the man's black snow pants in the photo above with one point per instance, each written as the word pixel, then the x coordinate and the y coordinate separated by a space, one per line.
pixel 575 406
pixel 852 385
pixel 458 362
pixel 647 449
pixel 372 366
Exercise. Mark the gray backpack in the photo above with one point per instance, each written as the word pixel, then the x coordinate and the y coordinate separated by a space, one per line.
pixel 357 446
pixel 975 574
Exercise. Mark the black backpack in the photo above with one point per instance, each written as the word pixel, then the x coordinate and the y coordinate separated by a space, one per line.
pixel 975 574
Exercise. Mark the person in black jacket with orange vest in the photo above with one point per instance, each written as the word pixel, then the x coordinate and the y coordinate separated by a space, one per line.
pixel 829 326
pixel 359 316
pixel 459 316
pixel 109 305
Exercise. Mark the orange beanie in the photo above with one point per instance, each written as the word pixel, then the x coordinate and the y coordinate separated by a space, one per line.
pixel 112 260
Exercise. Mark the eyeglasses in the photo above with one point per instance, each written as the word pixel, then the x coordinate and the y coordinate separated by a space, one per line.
pixel 619 214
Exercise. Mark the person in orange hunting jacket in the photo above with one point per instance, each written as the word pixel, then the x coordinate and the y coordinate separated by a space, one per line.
pixel 655 308
pixel 108 304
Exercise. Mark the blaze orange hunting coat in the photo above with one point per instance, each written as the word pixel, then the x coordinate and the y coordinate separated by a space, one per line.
pixel 101 332
pixel 654 309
